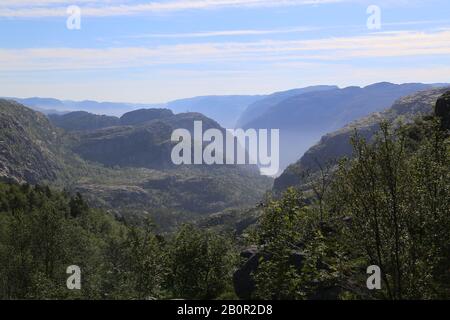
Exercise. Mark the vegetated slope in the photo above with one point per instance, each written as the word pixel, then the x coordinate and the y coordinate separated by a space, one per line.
pixel 82 120
pixel 144 143
pixel 144 115
pixel 143 177
pixel 304 118
pixel 336 145
pixel 135 183
pixel 86 121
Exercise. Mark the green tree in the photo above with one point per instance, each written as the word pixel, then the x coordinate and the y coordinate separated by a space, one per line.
pixel 398 201
pixel 200 264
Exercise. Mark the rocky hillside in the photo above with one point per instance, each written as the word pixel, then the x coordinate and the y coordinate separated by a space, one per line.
pixel 144 115
pixel 29 145
pixel 141 141
pixel 82 120
pixel 126 169
pixel 337 144
pixel 304 118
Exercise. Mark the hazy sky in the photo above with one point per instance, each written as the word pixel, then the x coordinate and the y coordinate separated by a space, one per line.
pixel 155 51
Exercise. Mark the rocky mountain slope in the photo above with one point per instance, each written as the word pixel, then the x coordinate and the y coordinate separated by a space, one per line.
pixel 304 118
pixel 145 144
pixel 121 168
pixel 82 120
pixel 29 145
pixel 336 145
pixel 86 121
pixel 258 108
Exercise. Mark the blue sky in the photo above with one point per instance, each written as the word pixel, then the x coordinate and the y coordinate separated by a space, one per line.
pixel 154 51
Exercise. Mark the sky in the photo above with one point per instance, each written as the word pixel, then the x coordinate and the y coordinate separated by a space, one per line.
pixel 152 51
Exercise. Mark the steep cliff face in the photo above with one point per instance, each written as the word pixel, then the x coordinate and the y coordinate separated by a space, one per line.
pixel 29 145
pixel 336 145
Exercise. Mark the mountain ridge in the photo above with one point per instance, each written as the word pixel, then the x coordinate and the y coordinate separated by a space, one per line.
pixel 335 145
pixel 303 119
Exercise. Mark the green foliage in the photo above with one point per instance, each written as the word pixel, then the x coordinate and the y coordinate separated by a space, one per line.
pixel 297 260
pixel 200 264
pixel 42 232
pixel 388 206
pixel 398 201
pixel 40 239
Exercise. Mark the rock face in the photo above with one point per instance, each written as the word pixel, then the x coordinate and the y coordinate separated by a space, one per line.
pixel 442 110
pixel 244 285
pixel 336 145
pixel 29 149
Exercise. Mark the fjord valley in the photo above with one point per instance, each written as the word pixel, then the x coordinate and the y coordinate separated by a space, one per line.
pixel 101 191
pixel 122 163
pixel 238 150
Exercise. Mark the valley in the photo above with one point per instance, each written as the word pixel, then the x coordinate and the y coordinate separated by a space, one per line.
pixel 111 183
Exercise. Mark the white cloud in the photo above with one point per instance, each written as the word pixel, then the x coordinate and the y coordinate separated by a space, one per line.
pixel 98 8
pixel 170 84
pixel 381 45
pixel 223 33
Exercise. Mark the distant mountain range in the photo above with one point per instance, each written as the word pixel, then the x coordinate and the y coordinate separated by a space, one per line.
pixel 335 145
pixel 224 109
pixel 302 115
pixel 261 106
pixel 303 118
pixel 123 163
pixel 55 106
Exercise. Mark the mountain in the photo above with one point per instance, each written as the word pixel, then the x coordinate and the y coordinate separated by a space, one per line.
pixel 302 119
pixel 55 106
pixel 42 103
pixel 144 115
pixel 82 120
pixel 107 108
pixel 124 168
pixel 224 109
pixel 146 144
pixel 261 106
pixel 29 145
pixel 336 145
